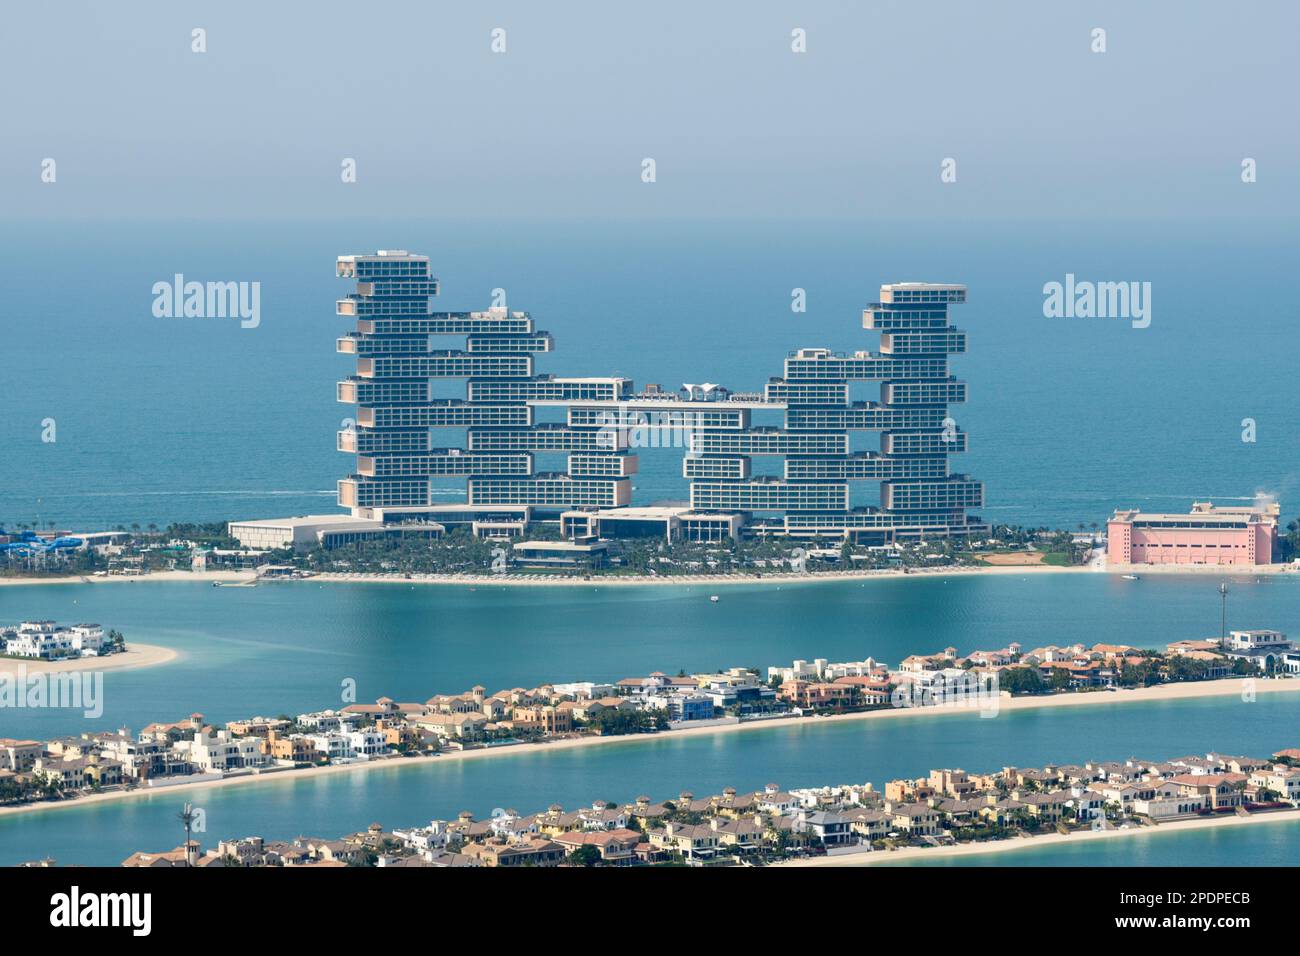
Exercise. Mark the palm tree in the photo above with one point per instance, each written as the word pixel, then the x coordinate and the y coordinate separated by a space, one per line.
pixel 186 816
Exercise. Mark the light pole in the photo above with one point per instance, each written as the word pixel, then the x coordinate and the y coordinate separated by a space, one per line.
pixel 1223 615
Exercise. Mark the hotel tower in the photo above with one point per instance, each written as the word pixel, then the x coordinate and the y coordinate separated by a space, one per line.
pixel 399 468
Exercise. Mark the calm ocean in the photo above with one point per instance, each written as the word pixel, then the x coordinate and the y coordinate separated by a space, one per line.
pixel 176 419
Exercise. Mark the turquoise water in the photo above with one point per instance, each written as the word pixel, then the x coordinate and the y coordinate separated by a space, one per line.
pixel 810 754
pixel 162 420
pixel 287 647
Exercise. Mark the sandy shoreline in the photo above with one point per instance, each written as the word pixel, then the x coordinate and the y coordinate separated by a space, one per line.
pixel 491 580
pixel 233 577
pixel 1220 688
pixel 691 580
pixel 135 655
pixel 1048 839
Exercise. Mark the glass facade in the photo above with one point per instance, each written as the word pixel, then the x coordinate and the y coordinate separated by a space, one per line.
pixel 713 467
pixel 396 361
pixel 397 366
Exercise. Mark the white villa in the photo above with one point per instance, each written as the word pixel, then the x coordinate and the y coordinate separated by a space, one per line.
pixel 45 640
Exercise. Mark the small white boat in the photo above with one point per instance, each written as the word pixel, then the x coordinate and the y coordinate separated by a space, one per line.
pixel 1130 577
pixel 713 598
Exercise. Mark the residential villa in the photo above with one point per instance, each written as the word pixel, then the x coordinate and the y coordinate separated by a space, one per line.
pixel 945 806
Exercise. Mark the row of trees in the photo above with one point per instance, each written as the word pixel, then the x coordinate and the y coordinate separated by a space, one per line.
pixel 1289 543
pixel 1153 669
pixel 615 721
pixel 461 552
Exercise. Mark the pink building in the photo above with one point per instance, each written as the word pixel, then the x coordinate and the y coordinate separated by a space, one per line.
pixel 1206 535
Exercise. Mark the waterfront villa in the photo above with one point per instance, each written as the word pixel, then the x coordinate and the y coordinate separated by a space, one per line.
pixel 45 640
pixel 1272 651
pixel 191 749
pixel 946 806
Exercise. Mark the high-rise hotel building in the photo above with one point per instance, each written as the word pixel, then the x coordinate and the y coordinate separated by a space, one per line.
pixel 398 405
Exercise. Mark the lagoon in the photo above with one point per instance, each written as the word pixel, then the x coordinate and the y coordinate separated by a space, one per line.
pixel 288 647
pixel 809 754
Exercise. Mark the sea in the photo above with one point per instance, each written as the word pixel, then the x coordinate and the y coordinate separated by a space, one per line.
pixel 157 420
pixel 114 416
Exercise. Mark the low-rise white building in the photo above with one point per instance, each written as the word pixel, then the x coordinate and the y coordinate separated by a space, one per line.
pixel 39 640
pixel 219 752
pixel 87 639
pixel 425 839
pixel 823 670
pixel 1257 640
pixel 46 640
pixel 366 743
pixel 329 721
pixel 336 746
pixel 301 532
pixel 585 690
pixel 1281 779
pixel 1162 807
pixel 681 706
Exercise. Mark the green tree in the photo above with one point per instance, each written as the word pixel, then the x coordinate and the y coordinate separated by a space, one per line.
pixel 1021 680
pixel 584 856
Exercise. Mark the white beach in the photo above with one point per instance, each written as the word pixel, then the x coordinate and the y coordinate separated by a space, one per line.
pixel 684 580
pixel 135 655
pixel 1047 839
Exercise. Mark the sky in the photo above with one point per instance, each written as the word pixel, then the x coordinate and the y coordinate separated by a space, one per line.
pixel 739 125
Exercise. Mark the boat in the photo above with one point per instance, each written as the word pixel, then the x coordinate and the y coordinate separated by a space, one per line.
pixel 1130 577
pixel 713 598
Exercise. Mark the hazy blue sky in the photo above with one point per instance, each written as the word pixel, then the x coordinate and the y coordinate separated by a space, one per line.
pixel 739 126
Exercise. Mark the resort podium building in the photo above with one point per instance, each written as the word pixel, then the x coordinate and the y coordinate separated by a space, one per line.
pixel 1207 535
pixel 403 359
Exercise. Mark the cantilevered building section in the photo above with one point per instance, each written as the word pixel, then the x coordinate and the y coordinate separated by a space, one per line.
pixel 919 495
pixel 401 351
pixel 400 348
